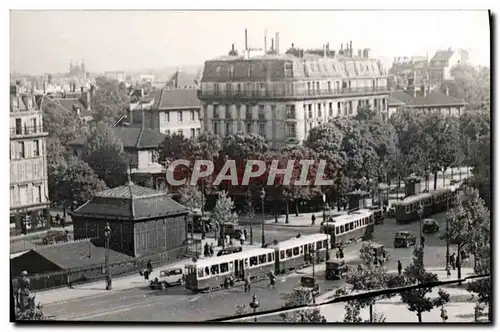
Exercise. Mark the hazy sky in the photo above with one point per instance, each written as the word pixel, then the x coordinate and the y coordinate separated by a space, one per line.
pixel 45 41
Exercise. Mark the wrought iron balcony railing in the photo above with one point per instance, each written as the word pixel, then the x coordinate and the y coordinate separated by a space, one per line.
pixel 27 131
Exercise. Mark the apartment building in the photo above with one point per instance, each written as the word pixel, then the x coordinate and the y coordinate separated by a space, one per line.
pixel 283 96
pixel 443 61
pixel 28 162
pixel 168 111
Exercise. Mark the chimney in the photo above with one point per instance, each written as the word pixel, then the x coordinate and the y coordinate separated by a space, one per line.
pixel 350 47
pixel 328 49
pixel 81 89
pixel 272 44
pixel 44 87
pixel 277 37
pixel 324 51
pixel 359 53
pixel 265 41
pixel 232 47
pixel 293 46
pixel 246 40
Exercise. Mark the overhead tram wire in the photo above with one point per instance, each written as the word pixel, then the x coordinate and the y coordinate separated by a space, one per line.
pixel 345 298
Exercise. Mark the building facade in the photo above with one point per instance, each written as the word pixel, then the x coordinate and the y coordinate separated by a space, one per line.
pixel 443 61
pixel 29 202
pixel 426 101
pixel 282 97
pixel 169 111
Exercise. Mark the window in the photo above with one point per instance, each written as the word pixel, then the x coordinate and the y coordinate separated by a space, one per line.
pixel 337 230
pixel 262 114
pixel 179 116
pixel 239 126
pixel 308 86
pixel 289 253
pixel 329 86
pixel 214 269
pixel 19 128
pixel 36 148
pixel 193 117
pixel 330 109
pixel 249 127
pixel 296 251
pixel 253 261
pixel 351 226
pixel 12 196
pixel 319 110
pixel 407 209
pixel 342 229
pixel 282 254
pixel 200 272
pixel 291 129
pixel 22 153
pixel 309 109
pixel 193 133
pixel 224 267
pixel 231 71
pixel 262 259
pixel 228 112
pixel 325 244
pixel 249 112
pixel 262 129
pixel 216 128
pixel 238 87
pixel 198 131
pixel 319 245
pixel 166 118
pixel 290 111
pixel 270 257
pixel 229 127
pixel 317 84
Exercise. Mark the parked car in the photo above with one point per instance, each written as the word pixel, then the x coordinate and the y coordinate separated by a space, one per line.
pixel 404 239
pixel 229 251
pixel 310 284
pixel 336 269
pixel 430 226
pixel 167 278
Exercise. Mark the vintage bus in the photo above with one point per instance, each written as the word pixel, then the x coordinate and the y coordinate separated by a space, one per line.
pixel 295 253
pixel 348 228
pixel 432 202
pixel 212 273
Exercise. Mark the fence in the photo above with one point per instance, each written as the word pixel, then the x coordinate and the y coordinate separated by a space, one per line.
pixel 97 271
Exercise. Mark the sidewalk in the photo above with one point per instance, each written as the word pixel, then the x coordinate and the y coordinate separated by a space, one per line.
pixel 460 308
pixel 119 283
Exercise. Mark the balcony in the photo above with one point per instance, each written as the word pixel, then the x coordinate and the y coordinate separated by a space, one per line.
pixel 27 131
pixel 312 94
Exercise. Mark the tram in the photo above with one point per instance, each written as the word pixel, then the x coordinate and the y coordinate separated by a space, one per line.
pixel 348 228
pixel 212 273
pixel 434 201
pixel 298 252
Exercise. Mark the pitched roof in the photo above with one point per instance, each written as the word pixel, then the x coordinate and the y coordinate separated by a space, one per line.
pixel 130 202
pixel 65 104
pixel 397 97
pixel 181 79
pixel 173 99
pixel 442 55
pixel 131 137
pixel 436 98
pixel 75 254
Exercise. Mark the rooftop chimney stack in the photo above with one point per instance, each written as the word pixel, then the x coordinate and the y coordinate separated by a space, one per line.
pixel 246 40
pixel 272 44
pixel 265 41
pixel 277 37
pixel 293 46
pixel 350 47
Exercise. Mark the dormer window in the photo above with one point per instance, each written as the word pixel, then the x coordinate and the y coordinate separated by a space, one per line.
pixel 231 71
pixel 218 69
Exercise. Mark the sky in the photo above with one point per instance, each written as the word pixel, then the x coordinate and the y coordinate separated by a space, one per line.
pixel 46 41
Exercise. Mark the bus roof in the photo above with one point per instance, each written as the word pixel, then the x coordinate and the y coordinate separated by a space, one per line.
pixel 303 239
pixel 231 257
pixel 415 198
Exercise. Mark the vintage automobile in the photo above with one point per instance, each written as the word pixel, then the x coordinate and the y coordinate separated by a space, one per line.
pixel 229 251
pixel 167 278
pixel 335 269
pixel 308 283
pixel 234 231
pixel 380 252
pixel 430 226
pixel 404 239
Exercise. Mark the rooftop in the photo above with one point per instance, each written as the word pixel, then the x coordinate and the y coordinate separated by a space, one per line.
pixel 435 98
pixel 130 202
pixel 167 99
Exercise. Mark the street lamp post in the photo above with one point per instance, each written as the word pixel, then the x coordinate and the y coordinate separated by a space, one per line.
pixel 254 305
pixel 420 212
pixel 262 197
pixel 107 235
pixel 447 235
pixel 249 198
pixel 203 232
pixel 312 253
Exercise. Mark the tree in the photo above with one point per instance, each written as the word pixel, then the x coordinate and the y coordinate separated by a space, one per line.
pixel 33 312
pixel 62 124
pixel 471 84
pixel 301 297
pixel 191 197
pixel 55 160
pixel 110 100
pixel 174 147
pixel 223 212
pixel 76 183
pixel 104 153
pixel 417 300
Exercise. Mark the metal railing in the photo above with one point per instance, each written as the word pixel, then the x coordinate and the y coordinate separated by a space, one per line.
pixel 291 94
pixel 27 130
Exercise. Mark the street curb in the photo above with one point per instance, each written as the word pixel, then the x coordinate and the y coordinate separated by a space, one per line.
pixel 87 296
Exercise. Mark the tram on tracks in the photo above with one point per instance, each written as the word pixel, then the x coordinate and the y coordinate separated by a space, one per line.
pixel 348 228
pixel 434 201
pixel 211 274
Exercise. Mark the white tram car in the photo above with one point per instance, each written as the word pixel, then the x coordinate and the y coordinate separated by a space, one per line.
pixel 348 228
pixel 212 273
pixel 295 253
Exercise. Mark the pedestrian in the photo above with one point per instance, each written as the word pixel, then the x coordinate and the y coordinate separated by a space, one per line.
pixel 400 267
pixel 242 238
pixel 313 219
pixel 245 233
pixel 63 222
pixel 206 250
pixel 337 254
pixel 272 280
pixel 444 314
pixel 453 261
pixel 149 266
pixel 422 240
pixel 58 218
pixel 228 239
pixel 457 261
pixel 341 252
pixel 448 272
pixel 211 250
pixel 298 236
pixel 247 284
